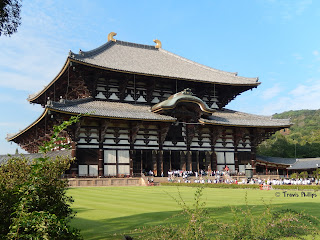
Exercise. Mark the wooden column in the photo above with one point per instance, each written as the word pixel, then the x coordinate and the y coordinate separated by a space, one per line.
pixel 154 163
pixel 141 162
pixel 253 143
pixel 160 162
pixel 102 131
pixel 215 133
pixel 163 129
pixel 101 162
pixel 134 129
pixel 74 165
pixel 197 159
pixel 131 162
pixel 189 161
pixel 214 161
pixel 183 160
pixel 208 161
pixel 170 161
pixel 237 136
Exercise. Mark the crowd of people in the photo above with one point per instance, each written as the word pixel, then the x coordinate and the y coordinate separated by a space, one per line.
pixel 224 177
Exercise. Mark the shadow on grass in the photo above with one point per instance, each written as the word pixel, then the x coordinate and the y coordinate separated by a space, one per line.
pixel 115 228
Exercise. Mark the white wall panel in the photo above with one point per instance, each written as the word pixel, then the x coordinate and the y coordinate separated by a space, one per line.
pixel 110 156
pixel 242 168
pixel 220 157
pixel 110 170
pixel 83 170
pixel 229 157
pixel 123 156
pixel 124 169
pixel 93 170
pixel 220 167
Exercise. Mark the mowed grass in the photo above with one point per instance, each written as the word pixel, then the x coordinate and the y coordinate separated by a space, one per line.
pixel 105 211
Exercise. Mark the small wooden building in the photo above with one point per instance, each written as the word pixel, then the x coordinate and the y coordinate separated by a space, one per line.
pixel 147 109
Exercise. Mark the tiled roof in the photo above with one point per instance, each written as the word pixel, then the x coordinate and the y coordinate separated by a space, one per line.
pixel 305 163
pixel 109 109
pixel 146 59
pixel 143 112
pixel 234 118
pixel 53 154
pixel 285 161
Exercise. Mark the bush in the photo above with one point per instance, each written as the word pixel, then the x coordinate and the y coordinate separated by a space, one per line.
pixel 245 225
pixel 33 201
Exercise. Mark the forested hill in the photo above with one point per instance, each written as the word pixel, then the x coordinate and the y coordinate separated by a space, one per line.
pixel 301 141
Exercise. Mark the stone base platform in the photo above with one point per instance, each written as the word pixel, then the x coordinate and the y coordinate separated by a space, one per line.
pixel 101 182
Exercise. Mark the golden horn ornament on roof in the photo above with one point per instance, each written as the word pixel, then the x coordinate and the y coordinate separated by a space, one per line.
pixel 111 35
pixel 158 43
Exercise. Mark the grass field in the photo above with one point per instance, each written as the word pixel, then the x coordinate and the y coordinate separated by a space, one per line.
pixel 104 211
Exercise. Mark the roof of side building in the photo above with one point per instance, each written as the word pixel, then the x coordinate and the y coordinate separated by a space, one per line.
pixel 278 160
pixel 30 156
pixel 305 163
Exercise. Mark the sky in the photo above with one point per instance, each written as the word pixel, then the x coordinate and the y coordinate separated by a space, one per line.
pixel 275 40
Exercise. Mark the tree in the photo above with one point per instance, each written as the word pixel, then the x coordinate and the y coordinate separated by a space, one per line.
pixel 9 16
pixel 33 201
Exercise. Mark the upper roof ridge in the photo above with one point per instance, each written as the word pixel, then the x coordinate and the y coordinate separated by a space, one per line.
pixel 103 47
pixel 198 64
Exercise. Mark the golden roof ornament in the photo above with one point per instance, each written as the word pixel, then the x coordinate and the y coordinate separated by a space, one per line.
pixel 158 43
pixel 111 35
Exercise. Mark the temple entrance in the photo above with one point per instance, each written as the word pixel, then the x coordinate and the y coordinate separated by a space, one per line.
pixel 203 164
pixel 142 162
pixel 200 161
pixel 137 163
pixel 175 160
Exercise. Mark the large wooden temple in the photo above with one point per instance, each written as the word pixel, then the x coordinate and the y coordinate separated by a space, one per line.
pixel 147 109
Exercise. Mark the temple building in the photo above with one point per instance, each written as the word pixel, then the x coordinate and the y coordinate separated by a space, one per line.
pixel 147 109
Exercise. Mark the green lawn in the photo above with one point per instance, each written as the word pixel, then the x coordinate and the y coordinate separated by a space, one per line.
pixel 104 211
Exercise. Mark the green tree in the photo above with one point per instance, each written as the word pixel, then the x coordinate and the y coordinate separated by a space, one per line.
pixel 33 201
pixel 9 16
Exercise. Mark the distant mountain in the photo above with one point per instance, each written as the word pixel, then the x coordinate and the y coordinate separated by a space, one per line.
pixel 301 140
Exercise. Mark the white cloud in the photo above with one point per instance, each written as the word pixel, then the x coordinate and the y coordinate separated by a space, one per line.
pixel 315 52
pixel 271 92
pixel 276 106
pixel 286 9
pixel 297 56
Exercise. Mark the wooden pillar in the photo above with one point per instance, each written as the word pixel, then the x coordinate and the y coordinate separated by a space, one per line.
pixel 102 131
pixel 141 162
pixel 183 160
pixel 74 166
pixel 189 161
pixel 100 162
pixel 154 163
pixel 160 162
pixel 236 160
pixel 197 159
pixel 208 161
pixel 214 161
pixel 266 169
pixel 131 162
pixel 170 161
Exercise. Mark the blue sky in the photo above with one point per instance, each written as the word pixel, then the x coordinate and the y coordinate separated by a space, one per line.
pixel 277 41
